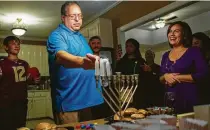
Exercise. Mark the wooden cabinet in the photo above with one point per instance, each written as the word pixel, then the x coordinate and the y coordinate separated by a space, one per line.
pixel 40 107
pixel 100 27
pixel 49 107
pixel 39 104
pixel 30 113
pixel 94 29
pixel 36 56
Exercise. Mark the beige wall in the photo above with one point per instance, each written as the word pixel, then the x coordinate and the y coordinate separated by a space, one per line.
pixel 159 50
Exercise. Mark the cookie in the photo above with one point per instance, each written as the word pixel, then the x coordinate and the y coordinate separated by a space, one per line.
pixel 127 119
pixel 130 111
pixel 142 111
pixel 116 117
pixel 137 116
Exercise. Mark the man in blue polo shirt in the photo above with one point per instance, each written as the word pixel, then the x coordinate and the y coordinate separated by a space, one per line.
pixel 71 69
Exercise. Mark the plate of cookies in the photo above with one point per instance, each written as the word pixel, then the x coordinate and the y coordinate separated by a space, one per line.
pixel 131 114
pixel 159 110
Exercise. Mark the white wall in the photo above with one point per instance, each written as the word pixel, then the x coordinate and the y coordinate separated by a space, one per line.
pixel 199 23
pixel 159 35
pixel 143 36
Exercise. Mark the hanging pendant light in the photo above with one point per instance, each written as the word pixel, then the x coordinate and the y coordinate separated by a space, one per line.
pixel 19 28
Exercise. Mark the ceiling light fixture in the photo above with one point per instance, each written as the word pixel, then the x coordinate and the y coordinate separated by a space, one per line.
pixel 160 23
pixel 19 28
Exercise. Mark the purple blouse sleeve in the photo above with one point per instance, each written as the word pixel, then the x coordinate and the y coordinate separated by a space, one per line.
pixel 163 63
pixel 201 68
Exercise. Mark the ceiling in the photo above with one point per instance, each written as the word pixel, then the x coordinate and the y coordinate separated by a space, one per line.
pixel 128 11
pixel 42 17
pixel 181 14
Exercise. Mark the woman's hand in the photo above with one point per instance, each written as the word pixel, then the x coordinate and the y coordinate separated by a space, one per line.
pixel 171 79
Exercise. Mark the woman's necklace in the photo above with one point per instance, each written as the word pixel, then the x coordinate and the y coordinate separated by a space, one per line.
pixel 175 55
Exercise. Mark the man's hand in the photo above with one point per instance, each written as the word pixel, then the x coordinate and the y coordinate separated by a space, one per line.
pixel 33 80
pixel 37 80
pixel 92 57
pixel 89 61
pixel 147 68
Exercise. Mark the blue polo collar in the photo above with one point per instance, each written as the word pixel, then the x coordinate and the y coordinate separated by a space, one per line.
pixel 68 30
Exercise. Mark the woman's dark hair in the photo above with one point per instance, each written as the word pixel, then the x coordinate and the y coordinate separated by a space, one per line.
pixel 137 51
pixel 205 40
pixel 186 31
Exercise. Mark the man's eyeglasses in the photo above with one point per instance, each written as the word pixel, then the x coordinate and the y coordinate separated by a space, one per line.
pixel 74 16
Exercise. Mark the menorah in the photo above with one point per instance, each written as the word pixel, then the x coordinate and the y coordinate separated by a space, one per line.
pixel 118 90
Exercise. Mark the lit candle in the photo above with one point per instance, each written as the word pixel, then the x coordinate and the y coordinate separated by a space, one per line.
pixel 97 69
pixel 108 68
pixel 102 67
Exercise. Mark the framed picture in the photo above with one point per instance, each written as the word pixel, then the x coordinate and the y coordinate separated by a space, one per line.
pixel 107 52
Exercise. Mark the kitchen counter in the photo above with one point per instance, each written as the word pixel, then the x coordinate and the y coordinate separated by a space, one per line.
pixel 44 90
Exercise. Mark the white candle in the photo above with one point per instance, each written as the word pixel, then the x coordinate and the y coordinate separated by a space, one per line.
pixel 102 67
pixel 108 69
pixel 97 69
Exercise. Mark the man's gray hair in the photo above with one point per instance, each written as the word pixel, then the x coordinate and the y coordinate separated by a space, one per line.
pixel 67 3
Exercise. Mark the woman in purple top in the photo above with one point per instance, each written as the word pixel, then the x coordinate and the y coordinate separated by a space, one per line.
pixel 182 67
pixel 202 41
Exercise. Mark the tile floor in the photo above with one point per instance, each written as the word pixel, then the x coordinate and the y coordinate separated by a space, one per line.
pixel 32 123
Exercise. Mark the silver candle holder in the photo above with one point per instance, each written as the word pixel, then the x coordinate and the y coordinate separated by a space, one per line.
pixel 119 92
